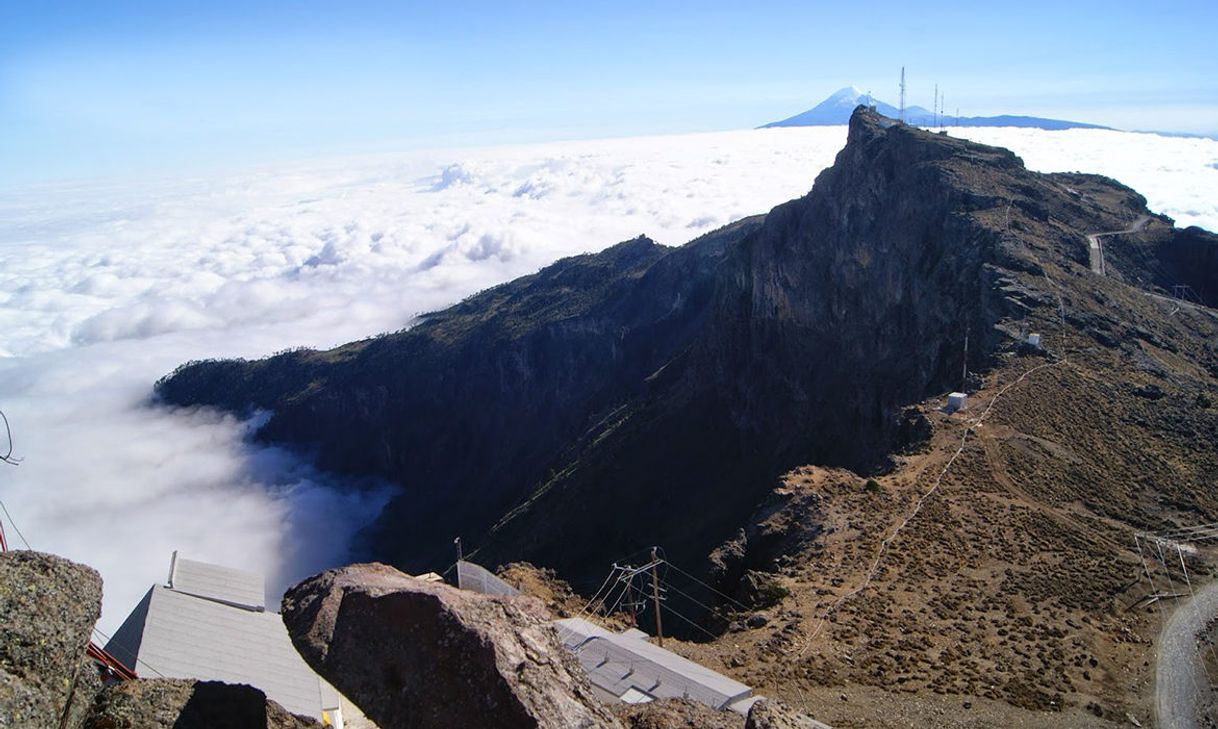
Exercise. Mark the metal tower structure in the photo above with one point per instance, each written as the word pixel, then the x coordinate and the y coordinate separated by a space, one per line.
pixel 901 112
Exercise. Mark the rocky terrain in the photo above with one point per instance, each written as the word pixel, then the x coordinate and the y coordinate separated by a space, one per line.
pixel 409 652
pixel 978 566
pixel 414 654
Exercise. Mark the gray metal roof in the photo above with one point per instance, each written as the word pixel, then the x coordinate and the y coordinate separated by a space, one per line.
pixel 225 584
pixel 477 579
pixel 618 663
pixel 179 635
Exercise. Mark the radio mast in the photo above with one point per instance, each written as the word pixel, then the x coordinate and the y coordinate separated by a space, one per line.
pixel 901 113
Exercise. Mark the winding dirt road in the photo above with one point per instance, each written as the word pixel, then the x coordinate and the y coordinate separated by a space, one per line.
pixel 1097 248
pixel 1182 687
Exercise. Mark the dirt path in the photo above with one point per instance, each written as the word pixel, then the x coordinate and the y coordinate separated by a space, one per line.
pixel 1097 249
pixel 1181 684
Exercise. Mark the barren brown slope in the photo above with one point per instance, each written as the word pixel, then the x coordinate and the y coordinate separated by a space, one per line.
pixel 1012 595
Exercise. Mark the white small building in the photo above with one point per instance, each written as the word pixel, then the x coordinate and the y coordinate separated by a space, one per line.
pixel 626 667
pixel 1034 340
pixel 956 401
pixel 210 623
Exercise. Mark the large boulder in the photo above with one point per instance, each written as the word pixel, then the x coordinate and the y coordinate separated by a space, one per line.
pixel 48 606
pixel 770 714
pixel 420 655
pixel 170 703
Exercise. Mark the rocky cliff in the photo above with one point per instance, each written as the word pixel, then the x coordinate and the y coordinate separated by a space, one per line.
pixel 654 395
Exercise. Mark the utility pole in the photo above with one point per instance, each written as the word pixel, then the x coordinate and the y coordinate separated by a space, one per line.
pixel 935 107
pixel 964 374
pixel 457 542
pixel 901 113
pixel 655 596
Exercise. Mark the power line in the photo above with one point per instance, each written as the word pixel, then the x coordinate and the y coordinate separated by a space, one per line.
pixel 1185 530
pixel 137 658
pixel 725 596
pixel 670 609
pixel 597 594
pixel 8 432
pixel 14 525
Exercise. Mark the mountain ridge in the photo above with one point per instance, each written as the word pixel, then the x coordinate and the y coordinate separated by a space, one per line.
pixel 653 395
pixel 837 108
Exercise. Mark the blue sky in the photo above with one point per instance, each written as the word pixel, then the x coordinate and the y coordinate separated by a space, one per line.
pixel 119 88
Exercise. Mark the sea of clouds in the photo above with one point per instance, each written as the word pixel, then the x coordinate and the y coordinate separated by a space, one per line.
pixel 106 287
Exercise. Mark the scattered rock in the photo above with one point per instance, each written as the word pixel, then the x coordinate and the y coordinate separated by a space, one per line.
pixel 418 655
pixel 913 432
pixel 1150 392
pixel 168 703
pixel 757 620
pixel 675 714
pixel 761 589
pixel 48 606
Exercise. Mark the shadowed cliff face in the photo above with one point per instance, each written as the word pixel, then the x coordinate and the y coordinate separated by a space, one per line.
pixel 651 395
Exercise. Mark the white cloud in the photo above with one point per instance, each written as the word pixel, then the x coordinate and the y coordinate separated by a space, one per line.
pixel 103 289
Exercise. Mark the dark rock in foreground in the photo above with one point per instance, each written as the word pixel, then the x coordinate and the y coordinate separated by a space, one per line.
pixel 48 606
pixel 184 704
pixel 420 655
pixel 165 703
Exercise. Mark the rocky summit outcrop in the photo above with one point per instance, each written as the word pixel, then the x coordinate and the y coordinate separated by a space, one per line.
pixel 420 655
pixel 48 606
pixel 165 703
pixel 651 395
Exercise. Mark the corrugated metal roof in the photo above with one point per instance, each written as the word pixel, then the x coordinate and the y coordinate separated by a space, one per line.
pixel 213 582
pixel 185 636
pixel 617 663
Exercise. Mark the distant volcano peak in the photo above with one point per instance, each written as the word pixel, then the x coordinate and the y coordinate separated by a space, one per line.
pixel 836 109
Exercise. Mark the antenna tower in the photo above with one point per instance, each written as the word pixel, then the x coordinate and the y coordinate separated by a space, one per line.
pixel 901 113
pixel 935 107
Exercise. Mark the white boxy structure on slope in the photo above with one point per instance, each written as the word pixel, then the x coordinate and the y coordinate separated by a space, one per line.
pixel 210 623
pixel 626 667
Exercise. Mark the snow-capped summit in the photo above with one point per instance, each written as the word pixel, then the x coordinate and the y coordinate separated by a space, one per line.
pixel 848 93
